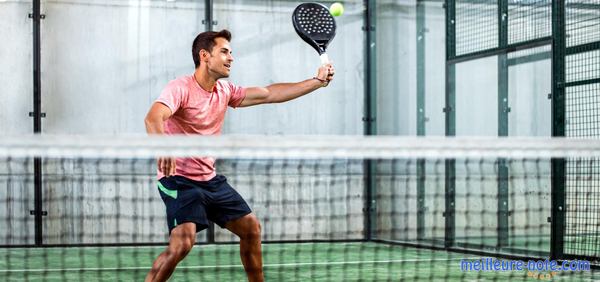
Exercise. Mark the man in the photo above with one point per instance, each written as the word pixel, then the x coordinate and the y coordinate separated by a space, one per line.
pixel 190 188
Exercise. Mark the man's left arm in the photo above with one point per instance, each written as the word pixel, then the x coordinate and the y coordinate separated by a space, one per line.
pixel 282 92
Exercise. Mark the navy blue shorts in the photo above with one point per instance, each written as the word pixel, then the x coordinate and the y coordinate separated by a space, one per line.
pixel 200 201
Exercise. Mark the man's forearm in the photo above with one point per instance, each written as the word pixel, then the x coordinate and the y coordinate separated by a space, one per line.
pixel 283 92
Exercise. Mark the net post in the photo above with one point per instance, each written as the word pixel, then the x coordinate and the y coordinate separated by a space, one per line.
pixel 370 201
pixel 37 201
pixel 449 211
pixel 503 205
pixel 421 208
pixel 557 231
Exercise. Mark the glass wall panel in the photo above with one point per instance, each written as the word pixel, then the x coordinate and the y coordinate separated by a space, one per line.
pixel 435 70
pixel 476 181
pixel 529 86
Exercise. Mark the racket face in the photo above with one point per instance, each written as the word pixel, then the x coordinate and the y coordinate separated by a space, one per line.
pixel 315 25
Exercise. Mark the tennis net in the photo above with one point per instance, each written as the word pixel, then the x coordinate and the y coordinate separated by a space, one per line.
pixel 331 208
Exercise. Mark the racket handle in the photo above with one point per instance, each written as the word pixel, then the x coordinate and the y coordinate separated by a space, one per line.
pixel 324 59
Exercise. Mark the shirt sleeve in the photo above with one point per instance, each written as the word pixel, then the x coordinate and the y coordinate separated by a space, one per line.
pixel 171 97
pixel 237 95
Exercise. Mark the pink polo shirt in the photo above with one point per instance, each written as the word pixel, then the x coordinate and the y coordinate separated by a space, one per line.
pixel 197 111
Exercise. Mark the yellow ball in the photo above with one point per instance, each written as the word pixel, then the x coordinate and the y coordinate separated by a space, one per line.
pixel 336 9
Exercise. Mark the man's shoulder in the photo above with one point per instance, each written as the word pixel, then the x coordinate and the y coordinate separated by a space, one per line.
pixel 178 86
pixel 182 81
pixel 225 85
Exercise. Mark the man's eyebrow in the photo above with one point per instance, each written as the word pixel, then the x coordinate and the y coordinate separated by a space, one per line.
pixel 225 49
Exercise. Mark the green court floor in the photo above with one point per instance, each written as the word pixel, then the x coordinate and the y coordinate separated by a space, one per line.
pixel 282 262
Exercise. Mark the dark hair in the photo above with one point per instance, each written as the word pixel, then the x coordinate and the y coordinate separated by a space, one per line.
pixel 206 41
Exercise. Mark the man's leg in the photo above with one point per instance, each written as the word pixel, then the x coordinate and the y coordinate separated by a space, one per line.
pixel 248 229
pixel 181 241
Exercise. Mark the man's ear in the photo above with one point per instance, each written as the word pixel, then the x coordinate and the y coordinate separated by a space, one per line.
pixel 204 55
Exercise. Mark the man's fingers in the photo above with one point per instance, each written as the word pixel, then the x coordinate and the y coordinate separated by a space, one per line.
pixel 326 73
pixel 172 166
pixel 166 166
pixel 160 166
pixel 330 73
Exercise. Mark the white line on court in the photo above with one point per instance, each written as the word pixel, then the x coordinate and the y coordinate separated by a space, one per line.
pixel 227 266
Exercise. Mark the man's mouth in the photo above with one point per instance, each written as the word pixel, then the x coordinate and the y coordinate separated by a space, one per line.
pixel 228 66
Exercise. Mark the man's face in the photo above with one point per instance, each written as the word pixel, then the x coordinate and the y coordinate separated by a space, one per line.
pixel 220 59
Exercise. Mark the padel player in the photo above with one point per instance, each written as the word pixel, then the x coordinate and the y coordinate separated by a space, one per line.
pixel 192 191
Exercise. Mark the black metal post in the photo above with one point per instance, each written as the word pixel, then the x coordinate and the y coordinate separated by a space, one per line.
pixel 421 116
pixel 450 164
pixel 37 114
pixel 369 115
pixel 558 224
pixel 503 110
pixel 208 15
pixel 208 26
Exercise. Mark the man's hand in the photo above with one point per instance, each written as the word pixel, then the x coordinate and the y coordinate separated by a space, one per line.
pixel 155 125
pixel 325 74
pixel 167 166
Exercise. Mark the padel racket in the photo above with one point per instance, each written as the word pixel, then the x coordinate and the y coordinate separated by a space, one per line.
pixel 316 26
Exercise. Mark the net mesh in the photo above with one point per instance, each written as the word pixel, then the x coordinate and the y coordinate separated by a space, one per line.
pixel 331 208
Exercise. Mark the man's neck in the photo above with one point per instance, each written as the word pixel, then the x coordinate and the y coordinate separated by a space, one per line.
pixel 204 80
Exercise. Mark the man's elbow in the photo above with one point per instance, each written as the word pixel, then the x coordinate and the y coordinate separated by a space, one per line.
pixel 151 122
pixel 148 120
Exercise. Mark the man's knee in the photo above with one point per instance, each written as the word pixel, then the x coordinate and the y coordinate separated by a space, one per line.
pixel 182 241
pixel 253 229
pixel 181 248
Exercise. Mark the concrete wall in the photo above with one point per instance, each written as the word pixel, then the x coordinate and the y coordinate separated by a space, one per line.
pixel 104 62
pixel 16 67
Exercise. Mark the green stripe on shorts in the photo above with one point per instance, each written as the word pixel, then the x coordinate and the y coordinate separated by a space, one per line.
pixel 170 193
